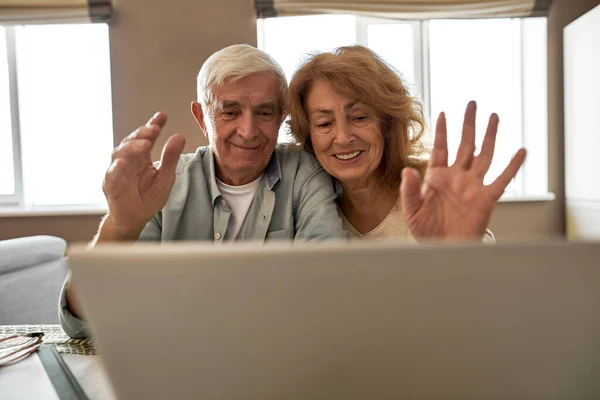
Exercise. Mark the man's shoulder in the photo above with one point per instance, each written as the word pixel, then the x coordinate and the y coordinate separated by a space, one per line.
pixel 188 160
pixel 191 160
pixel 300 168
pixel 294 158
pixel 190 178
pixel 189 173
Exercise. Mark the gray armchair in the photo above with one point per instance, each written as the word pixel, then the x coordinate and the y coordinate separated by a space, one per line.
pixel 32 271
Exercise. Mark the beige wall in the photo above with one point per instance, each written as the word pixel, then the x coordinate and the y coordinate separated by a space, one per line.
pixel 157 48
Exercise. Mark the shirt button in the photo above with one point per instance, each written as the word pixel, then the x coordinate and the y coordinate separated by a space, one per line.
pixel 224 202
pixel 217 236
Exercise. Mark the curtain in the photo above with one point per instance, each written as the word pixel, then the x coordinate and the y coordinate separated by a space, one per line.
pixel 14 12
pixel 406 9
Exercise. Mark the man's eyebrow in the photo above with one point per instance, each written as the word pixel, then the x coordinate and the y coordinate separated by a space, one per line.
pixel 229 104
pixel 271 106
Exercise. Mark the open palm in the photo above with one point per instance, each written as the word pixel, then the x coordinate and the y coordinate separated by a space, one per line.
pixel 135 190
pixel 452 202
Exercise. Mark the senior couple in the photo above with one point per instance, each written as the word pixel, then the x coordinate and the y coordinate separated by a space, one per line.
pixel 352 119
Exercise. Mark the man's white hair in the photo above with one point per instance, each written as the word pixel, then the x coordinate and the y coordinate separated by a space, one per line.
pixel 233 63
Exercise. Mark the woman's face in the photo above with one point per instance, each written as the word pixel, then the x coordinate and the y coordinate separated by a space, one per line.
pixel 345 134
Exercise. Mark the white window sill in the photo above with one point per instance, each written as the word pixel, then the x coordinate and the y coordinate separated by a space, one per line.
pixel 51 211
pixel 527 198
pixel 100 209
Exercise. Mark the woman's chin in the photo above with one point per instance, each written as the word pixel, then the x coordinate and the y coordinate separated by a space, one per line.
pixel 355 178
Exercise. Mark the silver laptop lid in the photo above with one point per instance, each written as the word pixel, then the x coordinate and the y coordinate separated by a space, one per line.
pixel 366 320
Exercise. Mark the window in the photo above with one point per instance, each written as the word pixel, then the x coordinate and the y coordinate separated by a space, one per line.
pixel 55 114
pixel 7 181
pixel 500 63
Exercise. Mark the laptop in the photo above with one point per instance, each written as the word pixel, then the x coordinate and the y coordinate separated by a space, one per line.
pixel 334 321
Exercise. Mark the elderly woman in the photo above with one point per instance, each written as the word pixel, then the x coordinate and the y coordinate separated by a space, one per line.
pixel 354 113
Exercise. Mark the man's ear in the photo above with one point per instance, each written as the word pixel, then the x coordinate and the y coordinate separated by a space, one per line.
pixel 199 116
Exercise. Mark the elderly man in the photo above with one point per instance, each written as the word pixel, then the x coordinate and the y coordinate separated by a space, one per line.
pixel 240 187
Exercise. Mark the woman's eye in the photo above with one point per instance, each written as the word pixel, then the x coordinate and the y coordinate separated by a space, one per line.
pixel 324 124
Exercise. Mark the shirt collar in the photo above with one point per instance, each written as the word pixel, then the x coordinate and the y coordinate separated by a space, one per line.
pixel 209 165
pixel 273 172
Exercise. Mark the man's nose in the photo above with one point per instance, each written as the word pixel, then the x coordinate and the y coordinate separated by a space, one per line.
pixel 247 127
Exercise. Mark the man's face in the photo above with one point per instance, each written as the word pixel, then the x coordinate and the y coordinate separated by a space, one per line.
pixel 243 127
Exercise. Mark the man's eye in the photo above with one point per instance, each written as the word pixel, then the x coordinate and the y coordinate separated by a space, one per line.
pixel 360 118
pixel 229 113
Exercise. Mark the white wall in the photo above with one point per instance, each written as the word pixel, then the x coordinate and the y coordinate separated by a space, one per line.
pixel 582 128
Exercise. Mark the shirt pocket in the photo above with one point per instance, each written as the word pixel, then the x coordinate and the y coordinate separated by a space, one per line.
pixel 284 234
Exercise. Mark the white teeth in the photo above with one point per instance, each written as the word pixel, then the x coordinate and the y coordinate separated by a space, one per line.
pixel 347 156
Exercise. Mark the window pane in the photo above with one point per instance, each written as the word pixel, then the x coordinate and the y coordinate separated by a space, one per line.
pixel 7 183
pixel 65 112
pixel 477 60
pixel 288 40
pixel 394 42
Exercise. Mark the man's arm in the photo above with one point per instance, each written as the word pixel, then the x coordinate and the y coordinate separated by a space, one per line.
pixel 69 306
pixel 107 233
pixel 73 326
pixel 136 190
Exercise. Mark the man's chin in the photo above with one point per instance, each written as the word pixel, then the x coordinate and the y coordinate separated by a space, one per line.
pixel 252 158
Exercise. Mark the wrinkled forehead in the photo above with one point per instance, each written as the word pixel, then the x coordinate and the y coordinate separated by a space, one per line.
pixel 250 91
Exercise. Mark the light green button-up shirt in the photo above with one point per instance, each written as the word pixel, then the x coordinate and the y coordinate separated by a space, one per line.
pixel 295 201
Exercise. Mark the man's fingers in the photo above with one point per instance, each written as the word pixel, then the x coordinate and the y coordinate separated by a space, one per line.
pixel 482 162
pixel 439 154
pixel 143 132
pixel 508 174
pixel 159 119
pixel 410 191
pixel 170 155
pixel 133 149
pixel 464 156
pixel 151 130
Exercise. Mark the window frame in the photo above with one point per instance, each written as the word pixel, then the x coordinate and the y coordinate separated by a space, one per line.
pixel 18 204
pixel 15 199
pixel 531 171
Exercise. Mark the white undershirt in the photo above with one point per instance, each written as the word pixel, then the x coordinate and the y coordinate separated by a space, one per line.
pixel 239 199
